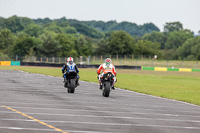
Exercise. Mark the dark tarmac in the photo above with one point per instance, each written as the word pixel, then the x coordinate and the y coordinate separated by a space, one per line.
pixel 35 103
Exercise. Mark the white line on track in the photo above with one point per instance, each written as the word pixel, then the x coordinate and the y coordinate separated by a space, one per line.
pixel 92 102
pixel 104 111
pixel 107 116
pixel 135 125
pixel 38 104
pixel 138 118
pixel 33 129
pixel 41 129
pixel 71 122
pixel 71 105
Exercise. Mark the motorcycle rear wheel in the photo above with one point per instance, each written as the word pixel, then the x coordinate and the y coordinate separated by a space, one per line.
pixel 106 90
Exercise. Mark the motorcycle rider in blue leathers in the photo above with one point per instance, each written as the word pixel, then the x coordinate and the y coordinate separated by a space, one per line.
pixel 70 65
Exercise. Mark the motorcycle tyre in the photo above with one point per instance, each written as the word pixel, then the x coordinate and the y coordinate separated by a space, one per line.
pixel 71 88
pixel 106 90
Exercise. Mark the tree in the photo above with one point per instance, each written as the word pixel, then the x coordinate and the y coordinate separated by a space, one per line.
pixel 84 46
pixel 190 49
pixel 50 46
pixel 174 26
pixel 44 21
pixel 120 43
pixel 4 57
pixel 87 31
pixel 177 38
pixel 102 48
pixel 67 43
pixel 6 39
pixel 64 24
pixel 16 24
pixel 156 37
pixel 33 30
pixel 70 30
pixel 53 27
pixel 24 44
pixel 145 47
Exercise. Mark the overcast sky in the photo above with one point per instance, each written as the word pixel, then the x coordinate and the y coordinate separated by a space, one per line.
pixel 137 11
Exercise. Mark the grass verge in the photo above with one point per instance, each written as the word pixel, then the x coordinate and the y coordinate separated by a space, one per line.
pixel 182 86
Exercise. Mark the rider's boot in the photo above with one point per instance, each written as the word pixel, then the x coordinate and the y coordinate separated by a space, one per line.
pixel 77 83
pixel 113 87
pixel 65 82
pixel 100 87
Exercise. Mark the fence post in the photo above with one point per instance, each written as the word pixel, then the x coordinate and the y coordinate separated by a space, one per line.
pixel 152 63
pixel 59 60
pixel 16 57
pixel 196 64
pixel 117 56
pixel 132 57
pixel 110 56
pixel 181 63
pixel 34 59
pixel 40 59
pixel 52 59
pixel 93 58
pixel 47 59
pixel 167 63
pixel 88 59
pixel 101 57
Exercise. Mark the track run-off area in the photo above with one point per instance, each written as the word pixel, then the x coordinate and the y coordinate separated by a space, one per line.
pixel 38 103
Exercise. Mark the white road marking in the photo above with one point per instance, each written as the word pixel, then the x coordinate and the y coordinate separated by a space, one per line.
pixel 33 129
pixel 112 117
pixel 71 122
pixel 72 106
pixel 104 111
pixel 182 111
pixel 135 125
pixel 171 120
pixel 92 102
pixel 42 129
pixel 104 108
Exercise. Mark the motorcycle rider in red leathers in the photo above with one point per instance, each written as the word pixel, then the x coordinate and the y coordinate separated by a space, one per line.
pixel 106 67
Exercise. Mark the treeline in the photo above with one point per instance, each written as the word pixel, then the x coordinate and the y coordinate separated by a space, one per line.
pixel 63 37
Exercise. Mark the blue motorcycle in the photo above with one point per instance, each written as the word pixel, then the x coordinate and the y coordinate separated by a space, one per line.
pixel 71 79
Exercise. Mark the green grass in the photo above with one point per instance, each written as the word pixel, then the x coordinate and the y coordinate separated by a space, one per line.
pixel 183 86
pixel 155 63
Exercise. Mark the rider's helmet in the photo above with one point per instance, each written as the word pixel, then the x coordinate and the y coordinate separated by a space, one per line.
pixel 108 61
pixel 70 60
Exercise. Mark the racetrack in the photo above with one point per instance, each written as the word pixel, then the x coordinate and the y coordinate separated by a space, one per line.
pixel 39 103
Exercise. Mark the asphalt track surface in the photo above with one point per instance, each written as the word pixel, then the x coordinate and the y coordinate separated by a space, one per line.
pixel 35 103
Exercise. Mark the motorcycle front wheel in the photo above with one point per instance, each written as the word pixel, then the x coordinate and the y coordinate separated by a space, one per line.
pixel 71 88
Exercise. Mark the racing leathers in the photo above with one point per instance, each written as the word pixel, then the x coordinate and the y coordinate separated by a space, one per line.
pixel 70 66
pixel 105 69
